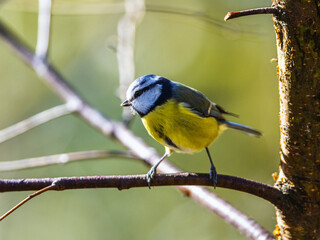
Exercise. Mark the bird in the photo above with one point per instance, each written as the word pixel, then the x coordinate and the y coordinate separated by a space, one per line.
pixel 179 117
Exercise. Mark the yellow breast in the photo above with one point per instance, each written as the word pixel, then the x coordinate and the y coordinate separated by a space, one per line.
pixel 179 129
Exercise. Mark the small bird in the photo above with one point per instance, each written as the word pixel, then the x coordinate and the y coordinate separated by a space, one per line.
pixel 179 117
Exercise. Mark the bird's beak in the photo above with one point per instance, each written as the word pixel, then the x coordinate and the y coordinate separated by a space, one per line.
pixel 126 103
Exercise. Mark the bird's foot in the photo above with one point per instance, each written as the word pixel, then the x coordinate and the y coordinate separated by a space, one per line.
pixel 214 176
pixel 150 175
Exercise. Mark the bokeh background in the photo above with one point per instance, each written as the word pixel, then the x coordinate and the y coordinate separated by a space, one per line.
pixel 229 62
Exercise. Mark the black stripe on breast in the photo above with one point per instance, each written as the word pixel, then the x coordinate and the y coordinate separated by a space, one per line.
pixel 170 143
pixel 159 131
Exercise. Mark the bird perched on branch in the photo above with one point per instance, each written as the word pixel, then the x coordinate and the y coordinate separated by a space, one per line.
pixel 179 117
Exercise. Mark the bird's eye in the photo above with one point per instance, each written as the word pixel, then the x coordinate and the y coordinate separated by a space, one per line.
pixel 138 93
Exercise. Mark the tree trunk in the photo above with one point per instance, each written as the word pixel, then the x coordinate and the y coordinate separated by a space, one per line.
pixel 298 44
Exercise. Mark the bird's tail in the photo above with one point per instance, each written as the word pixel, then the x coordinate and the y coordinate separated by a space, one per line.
pixel 248 130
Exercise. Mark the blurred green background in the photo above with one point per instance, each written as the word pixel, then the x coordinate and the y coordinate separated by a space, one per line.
pixel 229 62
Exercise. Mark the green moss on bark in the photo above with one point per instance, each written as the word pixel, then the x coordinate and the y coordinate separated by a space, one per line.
pixel 298 43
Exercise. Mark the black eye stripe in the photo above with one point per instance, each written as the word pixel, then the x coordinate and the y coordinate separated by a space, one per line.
pixel 139 92
pixel 166 93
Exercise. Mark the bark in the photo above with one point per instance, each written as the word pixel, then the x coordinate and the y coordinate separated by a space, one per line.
pixel 298 44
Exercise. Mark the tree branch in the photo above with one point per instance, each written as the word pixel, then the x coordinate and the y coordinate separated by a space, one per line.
pixel 255 11
pixel 34 121
pixel 61 159
pixel 50 187
pixel 122 134
pixel 258 189
pixel 44 22
pixel 134 12
pixel 202 195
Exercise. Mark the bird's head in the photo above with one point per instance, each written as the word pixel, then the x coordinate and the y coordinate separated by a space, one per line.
pixel 147 92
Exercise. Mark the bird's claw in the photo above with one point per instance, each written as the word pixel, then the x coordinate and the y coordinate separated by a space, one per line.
pixel 150 175
pixel 214 176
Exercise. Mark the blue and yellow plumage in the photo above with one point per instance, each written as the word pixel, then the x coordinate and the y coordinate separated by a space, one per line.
pixel 179 129
pixel 179 117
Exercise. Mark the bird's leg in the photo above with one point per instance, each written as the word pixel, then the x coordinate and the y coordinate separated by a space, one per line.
pixel 153 170
pixel 213 172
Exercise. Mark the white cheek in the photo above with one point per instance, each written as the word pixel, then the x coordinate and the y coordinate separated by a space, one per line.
pixel 146 100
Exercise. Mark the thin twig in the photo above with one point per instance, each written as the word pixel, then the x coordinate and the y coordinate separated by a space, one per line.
pixel 44 18
pixel 61 159
pixel 255 11
pixel 134 12
pixel 34 121
pixel 50 187
pixel 122 134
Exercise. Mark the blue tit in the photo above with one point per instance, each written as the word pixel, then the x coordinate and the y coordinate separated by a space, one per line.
pixel 179 117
